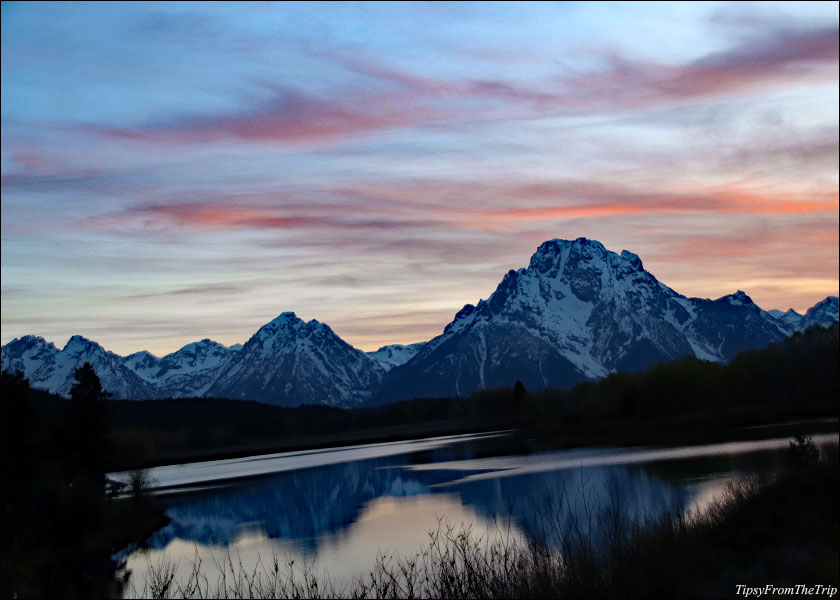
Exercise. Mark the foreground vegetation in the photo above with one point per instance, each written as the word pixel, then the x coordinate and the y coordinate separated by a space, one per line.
pixel 782 529
pixel 60 519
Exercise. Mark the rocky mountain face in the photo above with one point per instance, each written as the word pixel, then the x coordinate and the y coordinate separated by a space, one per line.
pixel 578 311
pixel 395 355
pixel 823 313
pixel 291 362
pixel 187 372
pixel 52 369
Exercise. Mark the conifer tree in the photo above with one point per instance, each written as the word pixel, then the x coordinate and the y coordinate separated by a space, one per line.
pixel 88 441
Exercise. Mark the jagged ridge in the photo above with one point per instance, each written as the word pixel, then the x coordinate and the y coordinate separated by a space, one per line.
pixel 578 311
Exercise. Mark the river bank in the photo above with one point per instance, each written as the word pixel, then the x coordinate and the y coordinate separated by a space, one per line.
pixel 702 429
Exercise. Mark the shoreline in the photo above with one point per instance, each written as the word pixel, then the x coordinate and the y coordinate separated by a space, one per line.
pixel 660 432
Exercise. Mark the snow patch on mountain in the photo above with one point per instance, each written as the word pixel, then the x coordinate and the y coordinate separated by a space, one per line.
pixel 823 313
pixel 53 370
pixel 187 372
pixel 578 311
pixel 395 355
pixel 290 362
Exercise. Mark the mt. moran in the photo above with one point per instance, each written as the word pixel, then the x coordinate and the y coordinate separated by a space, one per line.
pixel 578 311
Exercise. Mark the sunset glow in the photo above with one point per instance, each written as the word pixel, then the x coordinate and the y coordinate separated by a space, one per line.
pixel 176 171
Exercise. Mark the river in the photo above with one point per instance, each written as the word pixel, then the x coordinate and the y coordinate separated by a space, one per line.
pixel 335 510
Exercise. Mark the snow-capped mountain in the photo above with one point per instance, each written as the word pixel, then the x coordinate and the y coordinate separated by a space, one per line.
pixel 53 370
pixel 823 313
pixel 395 355
pixel 187 372
pixel 144 363
pixel 788 320
pixel 579 311
pixel 290 362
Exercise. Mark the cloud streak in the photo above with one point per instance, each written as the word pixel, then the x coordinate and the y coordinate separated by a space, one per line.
pixel 404 100
pixel 165 165
pixel 291 118
pixel 467 205
pixel 778 58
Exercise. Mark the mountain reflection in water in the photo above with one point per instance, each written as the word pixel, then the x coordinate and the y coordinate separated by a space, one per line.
pixel 347 511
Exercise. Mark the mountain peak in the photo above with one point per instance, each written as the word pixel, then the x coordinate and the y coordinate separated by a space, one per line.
pixel 823 312
pixel 284 317
pixel 551 247
pixel 289 361
pixel 554 255
pixel 31 341
pixel 141 354
pixel 739 298
pixel 282 321
pixel 288 325
pixel 201 344
pixel 78 343
pixel 828 303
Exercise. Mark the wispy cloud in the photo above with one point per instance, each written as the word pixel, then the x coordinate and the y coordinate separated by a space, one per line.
pixel 213 166
pixel 291 117
pixel 240 216
pixel 777 58
pixel 441 204
pixel 205 289
pixel 402 99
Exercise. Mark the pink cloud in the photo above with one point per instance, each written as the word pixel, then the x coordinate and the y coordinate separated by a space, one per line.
pixel 784 243
pixel 238 216
pixel 780 58
pixel 291 118
pixel 405 100
pixel 442 205
pixel 468 201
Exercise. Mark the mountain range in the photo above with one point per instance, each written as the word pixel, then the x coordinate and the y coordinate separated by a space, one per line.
pixel 577 312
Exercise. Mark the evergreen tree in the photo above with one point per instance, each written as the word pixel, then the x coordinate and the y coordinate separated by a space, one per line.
pixel 519 394
pixel 87 436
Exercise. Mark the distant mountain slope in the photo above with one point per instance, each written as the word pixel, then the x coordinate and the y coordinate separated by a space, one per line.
pixel 823 313
pixel 289 362
pixel 189 371
pixel 395 355
pixel 577 312
pixel 52 369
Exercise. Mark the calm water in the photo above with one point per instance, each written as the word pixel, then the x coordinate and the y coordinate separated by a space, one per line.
pixel 337 509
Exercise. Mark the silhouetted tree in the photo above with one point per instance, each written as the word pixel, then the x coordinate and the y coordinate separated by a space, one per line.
pixel 87 431
pixel 19 439
pixel 519 394
pixel 21 488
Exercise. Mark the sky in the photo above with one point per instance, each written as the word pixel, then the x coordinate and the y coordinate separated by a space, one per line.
pixel 173 171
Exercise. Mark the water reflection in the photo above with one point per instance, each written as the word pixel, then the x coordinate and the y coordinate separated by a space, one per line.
pixel 300 505
pixel 341 513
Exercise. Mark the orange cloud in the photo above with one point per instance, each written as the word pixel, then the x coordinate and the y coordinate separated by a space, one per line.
pixel 445 206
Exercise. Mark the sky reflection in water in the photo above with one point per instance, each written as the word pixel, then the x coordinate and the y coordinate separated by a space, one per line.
pixel 337 509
